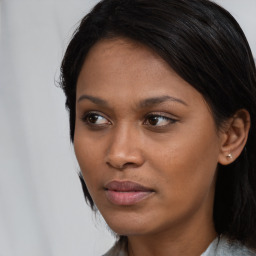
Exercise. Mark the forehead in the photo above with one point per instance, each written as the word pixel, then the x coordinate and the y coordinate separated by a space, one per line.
pixel 123 69
pixel 119 53
pixel 109 45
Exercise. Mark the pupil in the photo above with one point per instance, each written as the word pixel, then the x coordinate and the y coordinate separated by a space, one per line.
pixel 93 118
pixel 153 120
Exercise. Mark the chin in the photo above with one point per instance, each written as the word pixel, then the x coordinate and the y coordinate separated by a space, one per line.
pixel 127 225
pixel 124 230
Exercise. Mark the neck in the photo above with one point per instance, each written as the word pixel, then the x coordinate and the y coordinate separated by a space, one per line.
pixel 191 239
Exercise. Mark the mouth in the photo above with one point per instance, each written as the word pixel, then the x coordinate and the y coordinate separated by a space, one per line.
pixel 126 192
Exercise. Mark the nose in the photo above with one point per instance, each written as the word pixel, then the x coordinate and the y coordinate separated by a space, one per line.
pixel 125 149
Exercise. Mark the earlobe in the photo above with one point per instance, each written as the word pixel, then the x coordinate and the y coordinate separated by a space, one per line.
pixel 234 138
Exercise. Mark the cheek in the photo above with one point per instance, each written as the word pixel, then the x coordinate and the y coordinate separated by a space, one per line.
pixel 187 168
pixel 88 155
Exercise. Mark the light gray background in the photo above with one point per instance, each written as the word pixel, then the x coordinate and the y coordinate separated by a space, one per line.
pixel 42 210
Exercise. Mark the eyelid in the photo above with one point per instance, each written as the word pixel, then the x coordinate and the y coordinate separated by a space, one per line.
pixel 170 118
pixel 163 115
pixel 86 114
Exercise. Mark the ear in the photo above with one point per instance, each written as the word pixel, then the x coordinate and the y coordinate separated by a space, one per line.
pixel 234 137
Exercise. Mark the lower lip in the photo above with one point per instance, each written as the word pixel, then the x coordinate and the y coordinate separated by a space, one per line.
pixel 127 198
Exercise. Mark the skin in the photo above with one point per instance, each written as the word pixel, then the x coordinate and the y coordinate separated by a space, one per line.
pixel 174 153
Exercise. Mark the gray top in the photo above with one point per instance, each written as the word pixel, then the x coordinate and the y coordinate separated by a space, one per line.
pixel 224 247
pixel 219 247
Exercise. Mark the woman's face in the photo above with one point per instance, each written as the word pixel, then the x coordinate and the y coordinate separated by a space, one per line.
pixel 145 140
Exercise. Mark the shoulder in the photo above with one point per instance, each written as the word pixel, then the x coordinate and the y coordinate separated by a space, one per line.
pixel 119 249
pixel 224 247
pixel 219 247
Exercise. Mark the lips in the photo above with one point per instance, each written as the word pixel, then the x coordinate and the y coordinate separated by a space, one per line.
pixel 126 192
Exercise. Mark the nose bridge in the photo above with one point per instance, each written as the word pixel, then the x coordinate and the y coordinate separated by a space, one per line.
pixel 124 146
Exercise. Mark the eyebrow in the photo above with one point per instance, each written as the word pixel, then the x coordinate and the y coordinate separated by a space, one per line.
pixel 158 100
pixel 143 104
pixel 93 99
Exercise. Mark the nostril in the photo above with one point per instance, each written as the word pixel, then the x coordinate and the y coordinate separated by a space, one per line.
pixel 123 166
pixel 121 156
pixel 130 164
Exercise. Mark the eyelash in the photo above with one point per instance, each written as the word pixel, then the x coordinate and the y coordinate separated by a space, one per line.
pixel 86 116
pixel 160 116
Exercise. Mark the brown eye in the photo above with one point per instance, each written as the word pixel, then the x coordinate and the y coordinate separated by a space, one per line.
pixel 95 119
pixel 153 120
pixel 158 120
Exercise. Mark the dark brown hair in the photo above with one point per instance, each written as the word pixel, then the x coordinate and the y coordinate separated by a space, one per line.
pixel 204 45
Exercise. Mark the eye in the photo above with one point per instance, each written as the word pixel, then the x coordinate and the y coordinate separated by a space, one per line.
pixel 159 120
pixel 95 119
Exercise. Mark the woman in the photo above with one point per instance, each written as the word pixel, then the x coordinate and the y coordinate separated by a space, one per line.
pixel 162 99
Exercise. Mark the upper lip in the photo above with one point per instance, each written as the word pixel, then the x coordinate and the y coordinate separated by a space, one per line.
pixel 126 186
